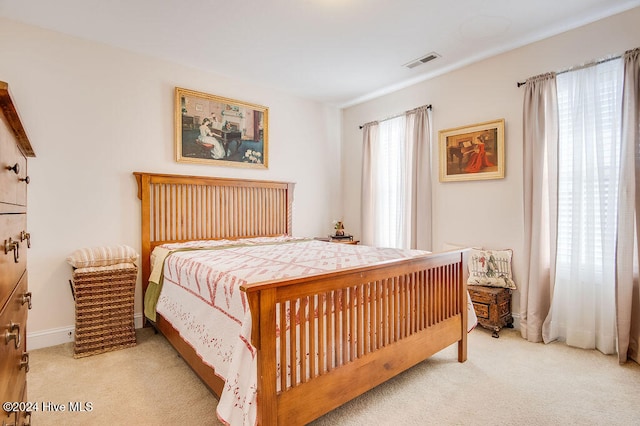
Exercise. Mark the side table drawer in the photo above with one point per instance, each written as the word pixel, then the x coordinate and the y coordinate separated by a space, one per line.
pixel 482 310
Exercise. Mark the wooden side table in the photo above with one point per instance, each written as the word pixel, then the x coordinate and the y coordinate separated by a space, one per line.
pixel 492 306
pixel 332 240
pixel 338 240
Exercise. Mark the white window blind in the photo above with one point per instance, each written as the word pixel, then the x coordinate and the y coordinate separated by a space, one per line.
pixel 589 109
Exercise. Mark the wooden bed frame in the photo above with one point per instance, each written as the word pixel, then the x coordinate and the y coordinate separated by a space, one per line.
pixel 386 317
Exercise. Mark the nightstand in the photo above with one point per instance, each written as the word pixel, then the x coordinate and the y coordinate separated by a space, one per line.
pixel 344 241
pixel 331 239
pixel 492 306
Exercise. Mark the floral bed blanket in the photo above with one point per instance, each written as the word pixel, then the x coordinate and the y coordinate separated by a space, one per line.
pixel 197 285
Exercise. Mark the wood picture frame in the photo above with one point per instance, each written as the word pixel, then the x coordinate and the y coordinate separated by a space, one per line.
pixel 474 152
pixel 219 131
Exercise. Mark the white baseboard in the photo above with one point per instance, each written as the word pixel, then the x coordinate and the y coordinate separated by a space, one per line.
pixel 516 321
pixel 59 336
pixel 138 320
pixel 51 337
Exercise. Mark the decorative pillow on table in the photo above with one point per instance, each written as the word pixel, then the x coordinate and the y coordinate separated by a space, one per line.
pixel 490 268
pixel 102 256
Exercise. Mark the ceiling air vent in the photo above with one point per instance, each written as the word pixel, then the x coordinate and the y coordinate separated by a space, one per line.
pixel 423 60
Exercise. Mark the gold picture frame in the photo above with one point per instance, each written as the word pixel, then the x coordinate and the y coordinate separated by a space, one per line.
pixel 219 131
pixel 474 152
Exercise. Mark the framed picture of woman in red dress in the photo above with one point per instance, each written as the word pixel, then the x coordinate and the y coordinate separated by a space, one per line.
pixel 473 152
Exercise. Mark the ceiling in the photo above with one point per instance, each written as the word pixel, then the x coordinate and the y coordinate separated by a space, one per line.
pixel 339 52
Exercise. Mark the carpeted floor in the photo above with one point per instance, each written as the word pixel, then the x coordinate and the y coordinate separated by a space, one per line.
pixel 506 381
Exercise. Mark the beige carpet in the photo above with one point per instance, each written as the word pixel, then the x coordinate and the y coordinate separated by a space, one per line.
pixel 506 381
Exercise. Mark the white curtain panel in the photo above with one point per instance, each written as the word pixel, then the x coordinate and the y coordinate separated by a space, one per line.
pixel 628 307
pixel 540 134
pixel 583 302
pixel 419 136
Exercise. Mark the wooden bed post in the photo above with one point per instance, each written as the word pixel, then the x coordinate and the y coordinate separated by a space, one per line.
pixel 462 344
pixel 144 183
pixel 263 328
pixel 290 188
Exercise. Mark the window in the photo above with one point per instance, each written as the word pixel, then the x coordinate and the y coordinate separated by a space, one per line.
pixel 589 120
pixel 589 110
pixel 391 163
pixel 396 181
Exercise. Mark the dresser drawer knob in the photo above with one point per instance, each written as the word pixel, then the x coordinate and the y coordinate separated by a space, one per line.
pixel 13 334
pixel 26 298
pixel 10 245
pixel 15 168
pixel 24 362
pixel 24 235
pixel 25 180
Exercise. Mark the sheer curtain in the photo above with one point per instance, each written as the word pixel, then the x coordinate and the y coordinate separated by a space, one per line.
pixel 583 302
pixel 396 181
pixel 627 291
pixel 392 183
pixel 540 192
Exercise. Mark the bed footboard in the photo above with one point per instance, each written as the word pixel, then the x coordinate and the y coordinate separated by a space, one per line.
pixel 352 330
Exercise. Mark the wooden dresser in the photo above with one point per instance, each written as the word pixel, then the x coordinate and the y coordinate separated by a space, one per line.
pixel 15 298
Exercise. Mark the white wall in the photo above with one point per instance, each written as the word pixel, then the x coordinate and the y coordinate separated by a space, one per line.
pixel 95 114
pixel 483 213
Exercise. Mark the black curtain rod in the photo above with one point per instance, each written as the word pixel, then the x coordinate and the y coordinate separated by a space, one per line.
pixel 398 115
pixel 590 64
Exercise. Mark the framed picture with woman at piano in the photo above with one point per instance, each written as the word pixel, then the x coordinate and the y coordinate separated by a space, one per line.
pixel 220 131
pixel 472 152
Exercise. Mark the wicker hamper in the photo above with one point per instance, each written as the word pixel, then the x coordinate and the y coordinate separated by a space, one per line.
pixel 104 298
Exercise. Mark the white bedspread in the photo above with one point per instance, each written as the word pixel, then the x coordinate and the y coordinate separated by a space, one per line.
pixel 201 298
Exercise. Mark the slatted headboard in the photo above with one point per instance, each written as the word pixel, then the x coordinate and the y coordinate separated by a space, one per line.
pixel 178 208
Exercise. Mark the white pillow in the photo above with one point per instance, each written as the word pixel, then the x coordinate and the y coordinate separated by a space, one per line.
pixel 490 268
pixel 452 246
pixel 102 256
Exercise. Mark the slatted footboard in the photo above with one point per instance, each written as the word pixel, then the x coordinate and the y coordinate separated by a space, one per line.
pixel 350 331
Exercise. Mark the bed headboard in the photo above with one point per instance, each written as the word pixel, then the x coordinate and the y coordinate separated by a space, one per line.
pixel 179 208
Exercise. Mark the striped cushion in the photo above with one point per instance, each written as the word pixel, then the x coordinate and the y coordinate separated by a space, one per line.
pixel 102 256
pixel 116 267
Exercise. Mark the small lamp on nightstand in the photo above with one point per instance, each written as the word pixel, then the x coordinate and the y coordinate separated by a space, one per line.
pixel 340 236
